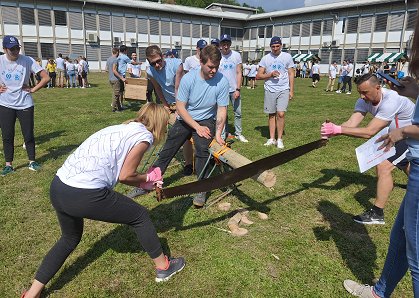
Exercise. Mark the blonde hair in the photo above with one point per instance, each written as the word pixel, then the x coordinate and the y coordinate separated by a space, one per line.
pixel 155 118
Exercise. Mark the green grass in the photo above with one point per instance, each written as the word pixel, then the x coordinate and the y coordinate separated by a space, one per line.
pixel 309 228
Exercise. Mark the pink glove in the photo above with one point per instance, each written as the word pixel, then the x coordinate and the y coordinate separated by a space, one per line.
pixel 330 129
pixel 153 178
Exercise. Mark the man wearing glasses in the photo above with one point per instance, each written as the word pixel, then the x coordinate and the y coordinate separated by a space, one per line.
pixel 16 100
pixel 277 69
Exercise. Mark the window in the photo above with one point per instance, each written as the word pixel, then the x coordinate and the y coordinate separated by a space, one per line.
pixel 324 55
pixel 253 33
pixel 261 32
pixel 327 27
pixel 411 20
pixel 186 30
pixel 47 51
pixel 396 21
pixel 214 31
pixel 31 49
pixel 90 21
pixel 286 31
pixel 268 31
pixel 296 29
pixel 117 24
pixel 77 49
pixel 225 30
pixel 165 28
pixel 205 31
pixel 349 54
pixel 317 26
pixel 246 33
pixel 305 29
pixel 352 25
pixel 27 15
pixel 60 18
pixel 362 55
pixel 365 24
pixel 76 22
pixel 337 55
pixel 9 15
pixel 105 52
pixel 130 24
pixel 154 27
pixel 196 30
pixel 240 33
pixel 104 22
pixel 44 17
pixel 62 48
pixel 143 26
pixel 381 23
pixel 176 29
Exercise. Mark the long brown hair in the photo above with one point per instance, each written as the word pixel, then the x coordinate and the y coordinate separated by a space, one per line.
pixel 155 118
pixel 414 56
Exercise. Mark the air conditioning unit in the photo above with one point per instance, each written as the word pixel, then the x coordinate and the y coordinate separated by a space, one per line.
pixel 238 47
pixel 335 43
pixel 92 37
pixel 133 41
pixel 284 46
pixel 116 39
pixel 326 44
pixel 177 43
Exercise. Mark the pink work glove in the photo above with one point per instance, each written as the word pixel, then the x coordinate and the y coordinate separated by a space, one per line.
pixel 153 178
pixel 330 129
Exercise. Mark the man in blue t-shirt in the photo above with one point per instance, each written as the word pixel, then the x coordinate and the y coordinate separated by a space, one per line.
pixel 123 61
pixel 201 104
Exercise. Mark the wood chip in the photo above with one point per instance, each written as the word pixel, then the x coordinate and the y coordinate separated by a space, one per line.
pixel 263 216
pixel 224 206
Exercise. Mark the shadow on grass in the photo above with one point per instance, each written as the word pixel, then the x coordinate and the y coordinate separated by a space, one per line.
pixel 122 239
pixel 48 136
pixel 56 152
pixel 352 240
pixel 264 130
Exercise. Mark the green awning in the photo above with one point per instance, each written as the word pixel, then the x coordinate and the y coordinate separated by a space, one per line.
pixel 386 57
pixel 298 57
pixel 372 57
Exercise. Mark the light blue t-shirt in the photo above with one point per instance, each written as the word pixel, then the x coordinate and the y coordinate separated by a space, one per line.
pixel 123 60
pixel 281 63
pixel 414 143
pixel 202 97
pixel 166 77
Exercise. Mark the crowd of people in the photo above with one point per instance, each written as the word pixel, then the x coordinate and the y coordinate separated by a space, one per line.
pixel 200 91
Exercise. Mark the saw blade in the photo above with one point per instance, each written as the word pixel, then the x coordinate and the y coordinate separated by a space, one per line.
pixel 241 173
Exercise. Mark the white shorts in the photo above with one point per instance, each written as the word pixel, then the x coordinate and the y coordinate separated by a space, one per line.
pixel 276 101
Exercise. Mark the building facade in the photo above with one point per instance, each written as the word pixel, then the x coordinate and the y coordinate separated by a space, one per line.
pixel 353 29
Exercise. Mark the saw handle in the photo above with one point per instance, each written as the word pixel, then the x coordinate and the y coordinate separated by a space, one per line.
pixel 159 194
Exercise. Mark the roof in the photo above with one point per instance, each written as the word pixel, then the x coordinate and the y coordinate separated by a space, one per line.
pixel 320 8
pixel 170 8
pixel 250 9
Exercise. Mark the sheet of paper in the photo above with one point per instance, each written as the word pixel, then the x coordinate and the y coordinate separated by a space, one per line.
pixel 368 154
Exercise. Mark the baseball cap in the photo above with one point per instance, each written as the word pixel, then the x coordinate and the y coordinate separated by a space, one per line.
pixel 215 41
pixel 10 42
pixel 225 37
pixel 175 53
pixel 275 40
pixel 168 53
pixel 201 44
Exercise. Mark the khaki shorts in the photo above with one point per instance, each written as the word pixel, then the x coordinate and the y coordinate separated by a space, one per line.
pixel 60 73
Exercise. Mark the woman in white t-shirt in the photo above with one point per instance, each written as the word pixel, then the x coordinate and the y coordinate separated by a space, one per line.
pixel 83 188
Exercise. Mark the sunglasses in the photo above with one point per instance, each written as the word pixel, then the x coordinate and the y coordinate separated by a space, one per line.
pixel 15 48
pixel 159 61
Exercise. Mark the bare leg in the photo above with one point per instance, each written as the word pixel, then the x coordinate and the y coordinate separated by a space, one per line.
pixel 271 125
pixel 280 123
pixel 384 183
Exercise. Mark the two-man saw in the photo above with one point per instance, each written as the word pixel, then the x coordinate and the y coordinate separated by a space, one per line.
pixel 239 174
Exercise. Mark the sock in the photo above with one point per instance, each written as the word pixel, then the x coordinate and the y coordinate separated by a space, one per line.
pixel 379 211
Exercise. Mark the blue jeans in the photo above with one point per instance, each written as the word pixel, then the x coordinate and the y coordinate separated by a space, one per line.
pixel 403 251
pixel 237 108
pixel 176 137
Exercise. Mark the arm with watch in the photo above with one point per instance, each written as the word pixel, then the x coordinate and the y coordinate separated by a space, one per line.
pixel 239 73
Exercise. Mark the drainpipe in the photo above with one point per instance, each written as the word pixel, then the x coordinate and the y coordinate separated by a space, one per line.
pixel 84 29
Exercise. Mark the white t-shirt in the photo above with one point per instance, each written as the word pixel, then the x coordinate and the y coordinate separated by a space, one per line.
pixel 350 69
pixel 281 63
pixel 98 161
pixel 366 68
pixel 15 74
pixel 332 71
pixel 228 67
pixel 246 69
pixel 315 69
pixel 390 106
pixel 135 69
pixel 70 66
pixel 84 65
pixel 60 63
pixel 253 71
pixel 191 62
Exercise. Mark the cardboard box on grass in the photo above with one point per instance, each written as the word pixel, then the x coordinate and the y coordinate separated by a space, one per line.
pixel 136 89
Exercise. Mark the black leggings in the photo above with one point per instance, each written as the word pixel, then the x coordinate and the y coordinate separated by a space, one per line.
pixel 8 118
pixel 72 205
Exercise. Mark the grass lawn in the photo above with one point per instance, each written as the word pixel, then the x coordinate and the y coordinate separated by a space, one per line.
pixel 309 230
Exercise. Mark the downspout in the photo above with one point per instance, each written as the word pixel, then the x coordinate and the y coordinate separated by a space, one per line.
pixel 84 29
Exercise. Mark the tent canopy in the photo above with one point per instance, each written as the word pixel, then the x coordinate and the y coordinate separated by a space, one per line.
pixel 305 57
pixel 386 57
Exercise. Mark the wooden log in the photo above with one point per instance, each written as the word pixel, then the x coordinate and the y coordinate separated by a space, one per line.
pixel 235 160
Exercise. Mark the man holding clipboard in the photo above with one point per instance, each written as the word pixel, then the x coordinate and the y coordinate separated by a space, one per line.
pixel 389 109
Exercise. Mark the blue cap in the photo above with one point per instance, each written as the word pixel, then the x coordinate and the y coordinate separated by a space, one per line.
pixel 215 41
pixel 168 53
pixel 10 42
pixel 225 37
pixel 275 40
pixel 175 53
pixel 201 44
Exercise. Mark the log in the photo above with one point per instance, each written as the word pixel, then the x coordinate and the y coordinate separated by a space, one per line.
pixel 235 160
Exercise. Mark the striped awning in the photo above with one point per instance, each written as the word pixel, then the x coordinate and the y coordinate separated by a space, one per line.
pixel 386 57
pixel 305 57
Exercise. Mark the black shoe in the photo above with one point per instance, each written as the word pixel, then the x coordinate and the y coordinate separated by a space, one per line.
pixel 175 265
pixel 369 217
pixel 188 170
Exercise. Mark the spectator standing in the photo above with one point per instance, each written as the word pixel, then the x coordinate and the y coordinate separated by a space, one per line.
pixel 123 61
pixel 50 67
pixel 193 61
pixel 304 71
pixel 16 101
pixel 231 68
pixel 61 70
pixel 315 74
pixel 277 69
pixel 246 69
pixel 252 74
pixel 114 79
pixel 71 73
pixel 342 76
pixel 134 69
pixel 333 69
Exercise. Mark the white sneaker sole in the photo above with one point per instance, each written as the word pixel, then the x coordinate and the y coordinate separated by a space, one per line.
pixel 158 279
pixel 370 222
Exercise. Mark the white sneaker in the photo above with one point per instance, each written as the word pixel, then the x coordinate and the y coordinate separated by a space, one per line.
pixel 279 144
pixel 349 93
pixel 241 138
pixel 338 91
pixel 358 290
pixel 24 146
pixel 136 192
pixel 270 142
